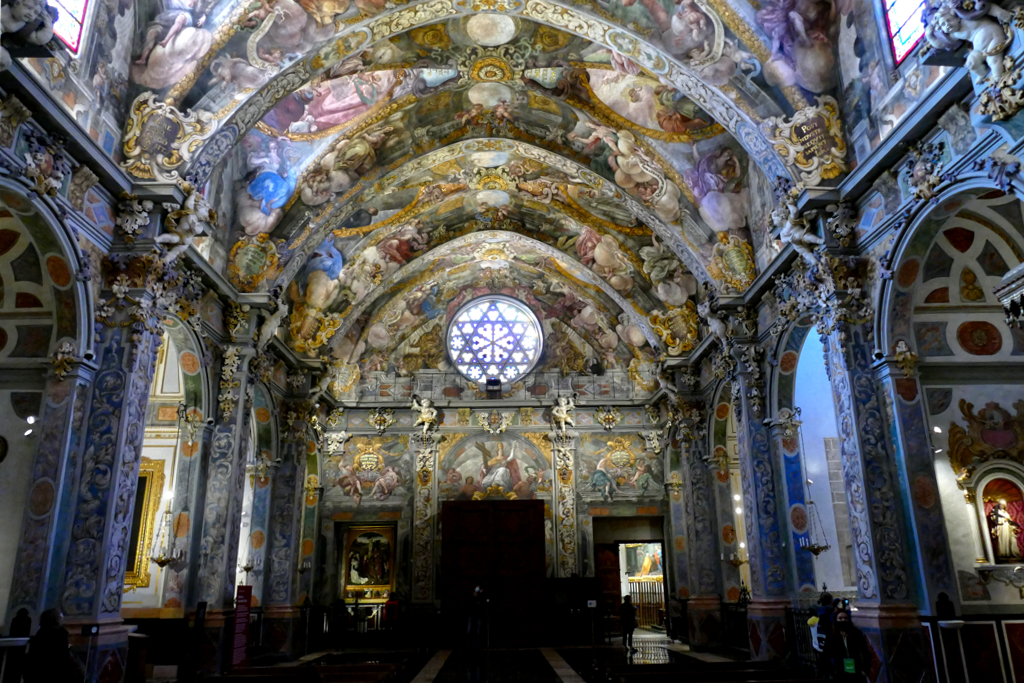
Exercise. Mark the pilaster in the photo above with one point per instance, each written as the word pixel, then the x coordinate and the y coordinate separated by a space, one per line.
pixel 564 451
pixel 762 499
pixel 929 563
pixel 42 549
pixel 784 430
pixel 424 513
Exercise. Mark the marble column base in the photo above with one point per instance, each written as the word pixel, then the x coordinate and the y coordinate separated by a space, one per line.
pixel 102 656
pixel 766 626
pixel 899 644
pixel 704 617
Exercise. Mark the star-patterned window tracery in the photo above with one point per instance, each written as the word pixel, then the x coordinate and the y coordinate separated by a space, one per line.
pixel 494 337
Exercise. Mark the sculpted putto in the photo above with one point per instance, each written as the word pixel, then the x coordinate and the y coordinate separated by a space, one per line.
pixel 560 416
pixel 185 224
pixel 793 230
pixel 951 23
pixel 427 414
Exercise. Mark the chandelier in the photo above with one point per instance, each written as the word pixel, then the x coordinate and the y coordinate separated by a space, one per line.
pixel 165 550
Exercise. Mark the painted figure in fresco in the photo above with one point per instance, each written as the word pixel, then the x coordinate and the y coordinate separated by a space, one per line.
pixel 348 160
pixel 603 255
pixel 386 483
pixel 499 470
pixel 176 15
pixel 349 482
pixel 715 181
pixel 634 170
pixel 468 490
pixel 642 479
pixel 315 288
pixel 524 489
pixel 603 479
pixel 801 33
pixel 1004 531
pixel 340 100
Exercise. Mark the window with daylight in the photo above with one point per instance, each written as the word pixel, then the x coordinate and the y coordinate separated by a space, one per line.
pixel 494 337
pixel 905 26
pixel 70 19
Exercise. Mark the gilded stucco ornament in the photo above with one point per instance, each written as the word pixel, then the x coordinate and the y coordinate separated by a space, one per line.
pixel 925 170
pixel 494 422
pixel 132 216
pixel 1001 98
pixel 380 419
pixel 12 114
pixel 62 359
pixel 831 295
pixel 677 328
pixel 732 262
pixel 811 142
pixel 842 222
pixel 253 259
pixel 160 140
pixel 905 359
pixel 608 417
pixel 46 165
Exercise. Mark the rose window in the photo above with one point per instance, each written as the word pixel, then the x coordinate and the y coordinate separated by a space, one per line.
pixel 494 337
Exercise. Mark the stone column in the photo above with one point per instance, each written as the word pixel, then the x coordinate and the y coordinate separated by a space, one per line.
pixel 214 580
pixel 768 560
pixel 100 516
pixel 563 450
pixel 929 561
pixel 280 613
pixel 784 429
pixel 886 611
pixel 43 547
pixel 703 607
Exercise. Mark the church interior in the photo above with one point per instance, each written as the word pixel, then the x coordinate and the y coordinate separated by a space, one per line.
pixel 596 341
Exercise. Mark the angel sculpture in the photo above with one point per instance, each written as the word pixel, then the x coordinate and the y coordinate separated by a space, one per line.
pixel 185 224
pixel 951 23
pixel 717 322
pixel 560 413
pixel 326 379
pixel 427 414
pixel 793 229
pixel 270 325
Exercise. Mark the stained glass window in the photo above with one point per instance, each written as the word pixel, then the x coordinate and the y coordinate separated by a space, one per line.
pixel 905 26
pixel 69 24
pixel 494 337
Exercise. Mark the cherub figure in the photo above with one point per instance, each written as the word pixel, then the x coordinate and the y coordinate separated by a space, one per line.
pixel 427 414
pixel 270 325
pixel 717 322
pixel 185 224
pixel 503 112
pixel 793 229
pixel 465 117
pixel 560 413
pixel 978 22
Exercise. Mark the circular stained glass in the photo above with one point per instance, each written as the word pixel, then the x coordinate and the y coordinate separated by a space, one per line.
pixel 494 337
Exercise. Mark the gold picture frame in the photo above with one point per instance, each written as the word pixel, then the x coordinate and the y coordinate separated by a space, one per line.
pixel 370 557
pixel 151 474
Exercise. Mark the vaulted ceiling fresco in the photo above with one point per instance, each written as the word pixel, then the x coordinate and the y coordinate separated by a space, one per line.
pixel 376 161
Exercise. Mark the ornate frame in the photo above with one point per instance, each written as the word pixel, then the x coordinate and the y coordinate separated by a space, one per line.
pixel 351 534
pixel 138 575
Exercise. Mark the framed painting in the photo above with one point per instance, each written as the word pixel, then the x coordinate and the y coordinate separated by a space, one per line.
pixel 147 501
pixel 368 569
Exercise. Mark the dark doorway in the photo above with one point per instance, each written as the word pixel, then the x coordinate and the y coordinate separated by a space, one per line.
pixel 499 546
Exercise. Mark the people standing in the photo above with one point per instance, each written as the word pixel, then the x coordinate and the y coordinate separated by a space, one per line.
pixel 847 650
pixel 49 657
pixel 477 615
pixel 627 620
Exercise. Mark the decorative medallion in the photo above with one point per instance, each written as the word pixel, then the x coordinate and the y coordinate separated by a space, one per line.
pixel 253 259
